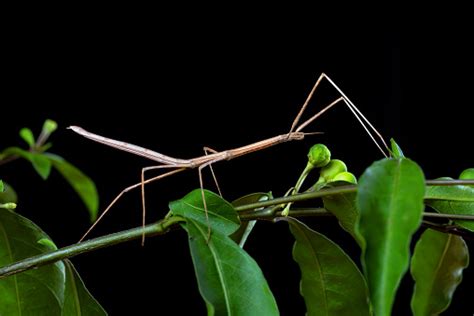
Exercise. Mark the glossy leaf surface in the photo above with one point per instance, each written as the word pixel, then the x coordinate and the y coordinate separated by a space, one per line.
pixel 453 199
pixel 77 299
pixel 390 201
pixel 396 150
pixel 34 292
pixel 54 289
pixel 344 207
pixel 331 283
pixel 230 281
pixel 221 216
pixel 40 163
pixel 436 267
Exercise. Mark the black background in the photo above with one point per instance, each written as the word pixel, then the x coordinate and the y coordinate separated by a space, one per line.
pixel 223 82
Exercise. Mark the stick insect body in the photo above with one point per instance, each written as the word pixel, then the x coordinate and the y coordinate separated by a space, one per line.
pixel 201 162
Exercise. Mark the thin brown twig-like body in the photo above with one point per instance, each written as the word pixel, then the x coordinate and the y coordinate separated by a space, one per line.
pixel 201 162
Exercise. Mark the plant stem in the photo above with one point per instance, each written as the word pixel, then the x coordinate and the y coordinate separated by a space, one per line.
pixel 298 197
pixel 270 214
pixel 450 216
pixel 161 228
pixel 331 191
pixel 449 182
pixel 448 229
pixel 165 225
pixel 299 183
pixel 8 159
pixel 67 252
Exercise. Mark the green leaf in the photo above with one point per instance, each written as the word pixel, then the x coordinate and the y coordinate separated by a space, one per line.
pixel 48 243
pixel 44 147
pixel 81 183
pixel 221 214
pixel 33 292
pixel 27 136
pixel 458 193
pixel 8 194
pixel 230 281
pixel 344 207
pixel 396 150
pixel 436 267
pixel 77 299
pixel 331 283
pixel 241 235
pixel 54 289
pixel 452 199
pixel 390 202
pixel 40 163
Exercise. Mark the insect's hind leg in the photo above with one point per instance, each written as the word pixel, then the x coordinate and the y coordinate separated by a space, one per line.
pixel 107 210
pixel 208 150
pixel 127 189
pixel 143 182
pixel 201 184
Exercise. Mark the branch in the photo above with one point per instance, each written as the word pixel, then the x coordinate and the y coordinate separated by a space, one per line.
pixel 267 210
pixel 450 182
pixel 449 229
pixel 159 228
pixel 8 159
pixel 464 217
pixel 299 197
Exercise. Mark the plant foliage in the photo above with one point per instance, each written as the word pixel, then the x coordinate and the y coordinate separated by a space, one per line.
pixel 381 211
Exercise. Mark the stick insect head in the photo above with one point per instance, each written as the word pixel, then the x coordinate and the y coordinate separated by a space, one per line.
pixel 301 135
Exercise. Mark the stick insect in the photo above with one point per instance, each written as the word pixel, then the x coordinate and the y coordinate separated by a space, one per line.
pixel 211 156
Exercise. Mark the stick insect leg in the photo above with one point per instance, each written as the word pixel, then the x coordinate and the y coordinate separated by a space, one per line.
pixel 355 109
pixel 311 119
pixel 143 190
pixel 357 113
pixel 201 183
pixel 210 150
pixel 136 185
pixel 305 104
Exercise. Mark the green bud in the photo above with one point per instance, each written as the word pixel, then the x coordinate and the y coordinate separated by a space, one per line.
pixel 321 180
pixel 346 177
pixel 467 174
pixel 9 206
pixel 49 126
pixel 333 168
pixel 319 155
